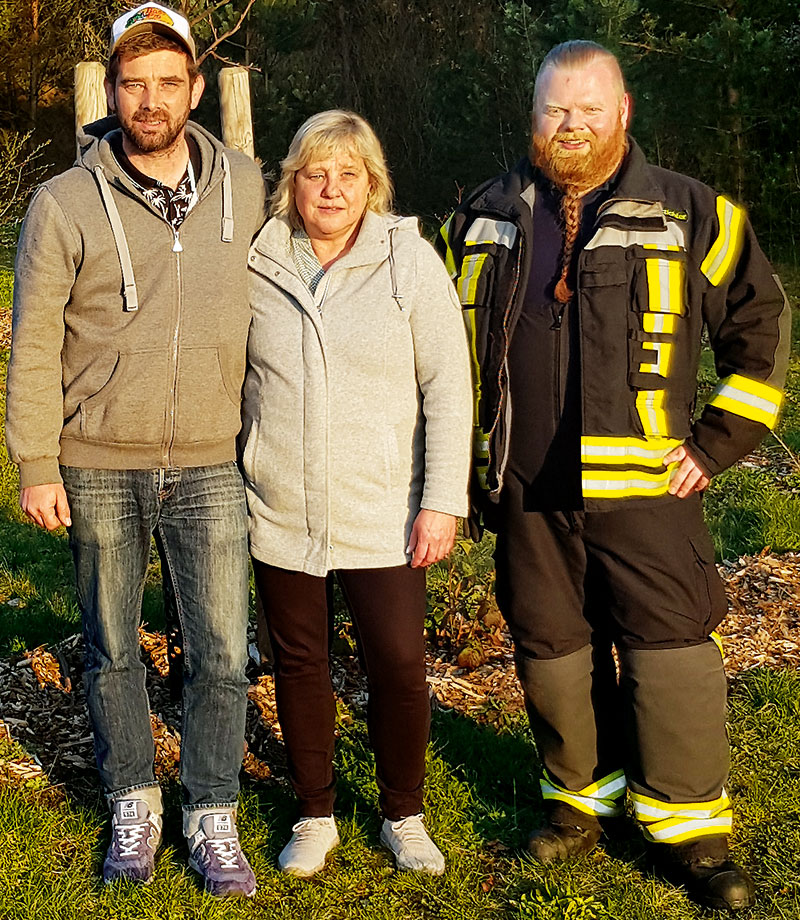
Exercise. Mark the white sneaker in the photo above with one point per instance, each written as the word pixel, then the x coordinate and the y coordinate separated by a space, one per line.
pixel 412 847
pixel 311 841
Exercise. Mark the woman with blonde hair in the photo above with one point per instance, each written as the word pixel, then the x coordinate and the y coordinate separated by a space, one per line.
pixel 357 421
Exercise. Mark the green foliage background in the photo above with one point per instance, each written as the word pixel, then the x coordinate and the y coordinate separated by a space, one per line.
pixel 447 83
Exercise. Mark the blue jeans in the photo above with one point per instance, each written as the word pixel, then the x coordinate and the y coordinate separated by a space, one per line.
pixel 201 518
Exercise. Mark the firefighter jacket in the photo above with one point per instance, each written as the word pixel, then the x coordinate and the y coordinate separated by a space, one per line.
pixel 666 258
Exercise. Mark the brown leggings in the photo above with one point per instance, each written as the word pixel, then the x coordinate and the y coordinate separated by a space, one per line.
pixel 388 609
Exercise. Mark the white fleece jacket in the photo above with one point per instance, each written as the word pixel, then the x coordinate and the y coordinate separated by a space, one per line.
pixel 357 400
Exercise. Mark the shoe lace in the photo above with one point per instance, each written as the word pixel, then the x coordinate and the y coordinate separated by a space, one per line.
pixel 227 851
pixel 308 828
pixel 411 830
pixel 128 838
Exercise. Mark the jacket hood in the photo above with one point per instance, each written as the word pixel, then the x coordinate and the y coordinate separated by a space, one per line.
pixel 372 244
pixel 94 149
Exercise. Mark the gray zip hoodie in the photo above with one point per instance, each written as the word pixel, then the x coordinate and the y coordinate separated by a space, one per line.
pixel 129 341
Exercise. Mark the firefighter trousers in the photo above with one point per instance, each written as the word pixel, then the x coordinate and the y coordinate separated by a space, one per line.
pixel 574 586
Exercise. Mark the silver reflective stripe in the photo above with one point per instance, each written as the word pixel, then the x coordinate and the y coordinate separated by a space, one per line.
pixel 487 230
pixel 674 235
pixel 227 202
pixel 689 830
pixel 768 406
pixel 468 282
pixel 130 294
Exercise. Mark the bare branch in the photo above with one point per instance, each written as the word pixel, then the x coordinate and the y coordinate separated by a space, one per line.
pixel 218 40
pixel 645 47
pixel 207 12
pixel 225 60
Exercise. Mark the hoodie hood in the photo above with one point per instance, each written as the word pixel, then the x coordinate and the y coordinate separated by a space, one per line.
pixel 94 149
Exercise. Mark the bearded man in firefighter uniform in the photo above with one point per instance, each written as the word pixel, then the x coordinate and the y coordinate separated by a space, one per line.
pixel 587 277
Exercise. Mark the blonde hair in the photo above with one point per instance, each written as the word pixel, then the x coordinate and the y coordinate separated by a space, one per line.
pixel 327 134
pixel 575 55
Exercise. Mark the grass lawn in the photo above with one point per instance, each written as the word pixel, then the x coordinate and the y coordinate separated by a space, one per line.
pixel 482 798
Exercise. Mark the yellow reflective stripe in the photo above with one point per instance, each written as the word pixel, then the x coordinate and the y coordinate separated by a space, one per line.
pixel 638 451
pixel 472 338
pixel 650 406
pixel 662 361
pixel 467 284
pixel 600 798
pixel 449 258
pixel 659 322
pixel 749 398
pixel 625 483
pixel 716 638
pixel 480 442
pixel 664 285
pixel 676 830
pixel 675 822
pixel 725 249
pixel 647 808
pixel 668 248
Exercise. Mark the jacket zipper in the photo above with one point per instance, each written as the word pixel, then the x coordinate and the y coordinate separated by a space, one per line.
pixel 177 248
pixel 557 327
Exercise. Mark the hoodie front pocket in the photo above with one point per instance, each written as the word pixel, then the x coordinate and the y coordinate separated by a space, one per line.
pixel 208 397
pixel 130 407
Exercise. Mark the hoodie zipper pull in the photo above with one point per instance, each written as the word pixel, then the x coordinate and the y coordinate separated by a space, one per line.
pixel 176 244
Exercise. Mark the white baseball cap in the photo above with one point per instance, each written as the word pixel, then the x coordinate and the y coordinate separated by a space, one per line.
pixel 152 17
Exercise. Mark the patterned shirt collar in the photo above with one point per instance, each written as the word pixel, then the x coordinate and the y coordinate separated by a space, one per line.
pixel 305 260
pixel 172 205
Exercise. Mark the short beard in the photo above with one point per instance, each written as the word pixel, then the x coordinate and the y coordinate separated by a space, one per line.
pixel 577 172
pixel 161 140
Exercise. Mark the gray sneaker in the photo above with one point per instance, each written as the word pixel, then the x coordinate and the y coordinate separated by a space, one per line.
pixel 135 836
pixel 215 853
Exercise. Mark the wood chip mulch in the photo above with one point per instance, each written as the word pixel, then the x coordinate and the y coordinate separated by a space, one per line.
pixel 5 328
pixel 42 706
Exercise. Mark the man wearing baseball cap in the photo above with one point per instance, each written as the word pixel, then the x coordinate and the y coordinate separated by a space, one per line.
pixel 128 356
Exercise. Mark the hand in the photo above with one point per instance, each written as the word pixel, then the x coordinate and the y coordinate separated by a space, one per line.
pixel 688 478
pixel 46 505
pixel 432 537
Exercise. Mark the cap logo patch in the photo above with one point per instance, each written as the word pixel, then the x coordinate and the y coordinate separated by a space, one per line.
pixel 152 14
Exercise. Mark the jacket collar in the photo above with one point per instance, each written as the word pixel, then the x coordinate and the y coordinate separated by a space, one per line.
pixel 509 194
pixel 371 245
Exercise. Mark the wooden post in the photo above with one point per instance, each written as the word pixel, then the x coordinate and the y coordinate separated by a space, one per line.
pixel 90 95
pixel 235 114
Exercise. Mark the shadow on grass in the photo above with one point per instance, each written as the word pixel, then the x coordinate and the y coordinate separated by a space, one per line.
pixel 36 577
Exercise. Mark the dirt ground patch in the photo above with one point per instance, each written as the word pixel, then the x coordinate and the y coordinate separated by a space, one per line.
pixel 43 708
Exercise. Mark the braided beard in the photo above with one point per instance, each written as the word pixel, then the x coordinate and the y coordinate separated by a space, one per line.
pixel 576 172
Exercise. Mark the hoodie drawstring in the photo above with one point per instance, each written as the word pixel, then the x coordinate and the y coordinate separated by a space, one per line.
pixel 130 294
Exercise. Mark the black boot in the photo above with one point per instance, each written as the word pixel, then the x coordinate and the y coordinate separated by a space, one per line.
pixel 568 833
pixel 709 876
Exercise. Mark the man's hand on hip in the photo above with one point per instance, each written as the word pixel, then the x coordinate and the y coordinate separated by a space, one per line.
pixel 46 505
pixel 688 478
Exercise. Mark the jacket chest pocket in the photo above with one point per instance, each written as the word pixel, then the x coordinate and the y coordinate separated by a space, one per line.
pixel 656 330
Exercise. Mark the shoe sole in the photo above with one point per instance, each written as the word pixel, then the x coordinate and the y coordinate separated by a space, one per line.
pixel 426 870
pixel 227 894
pixel 297 872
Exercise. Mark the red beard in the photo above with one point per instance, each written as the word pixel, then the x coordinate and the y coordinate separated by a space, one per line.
pixel 578 171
